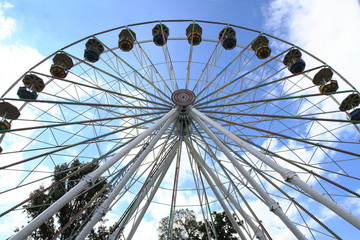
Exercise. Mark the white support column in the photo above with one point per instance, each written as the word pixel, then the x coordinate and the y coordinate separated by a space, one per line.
pixel 204 167
pixel 271 203
pixel 172 217
pixel 87 180
pixel 222 203
pixel 143 193
pixel 198 191
pixel 167 164
pixel 287 174
pixel 104 207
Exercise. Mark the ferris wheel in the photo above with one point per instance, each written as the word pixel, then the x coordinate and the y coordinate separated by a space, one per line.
pixel 187 114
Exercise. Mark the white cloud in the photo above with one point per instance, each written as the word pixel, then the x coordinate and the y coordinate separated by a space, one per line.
pixel 16 60
pixel 327 29
pixel 7 25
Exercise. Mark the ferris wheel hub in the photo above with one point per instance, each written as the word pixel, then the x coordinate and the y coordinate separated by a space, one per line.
pixel 183 97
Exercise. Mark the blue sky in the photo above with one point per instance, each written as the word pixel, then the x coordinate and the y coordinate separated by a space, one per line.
pixel 49 25
pixel 32 30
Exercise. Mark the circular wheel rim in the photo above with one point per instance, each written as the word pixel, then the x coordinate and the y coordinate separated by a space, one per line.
pixel 280 114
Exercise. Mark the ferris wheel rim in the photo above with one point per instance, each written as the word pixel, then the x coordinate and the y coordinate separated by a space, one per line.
pixel 261 116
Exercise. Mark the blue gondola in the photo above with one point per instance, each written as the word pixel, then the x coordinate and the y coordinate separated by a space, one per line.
pixel 294 62
pixel 160 34
pixel 26 94
pixel 227 36
pixel 93 50
pixel 355 115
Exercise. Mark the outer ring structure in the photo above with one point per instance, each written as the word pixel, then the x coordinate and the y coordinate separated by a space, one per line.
pixel 245 115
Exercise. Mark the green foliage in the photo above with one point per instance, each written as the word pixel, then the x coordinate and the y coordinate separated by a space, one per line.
pixel 43 200
pixel 223 227
pixel 186 227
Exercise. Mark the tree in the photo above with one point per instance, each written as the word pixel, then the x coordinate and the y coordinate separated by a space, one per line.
pixel 223 226
pixel 186 227
pixel 44 199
